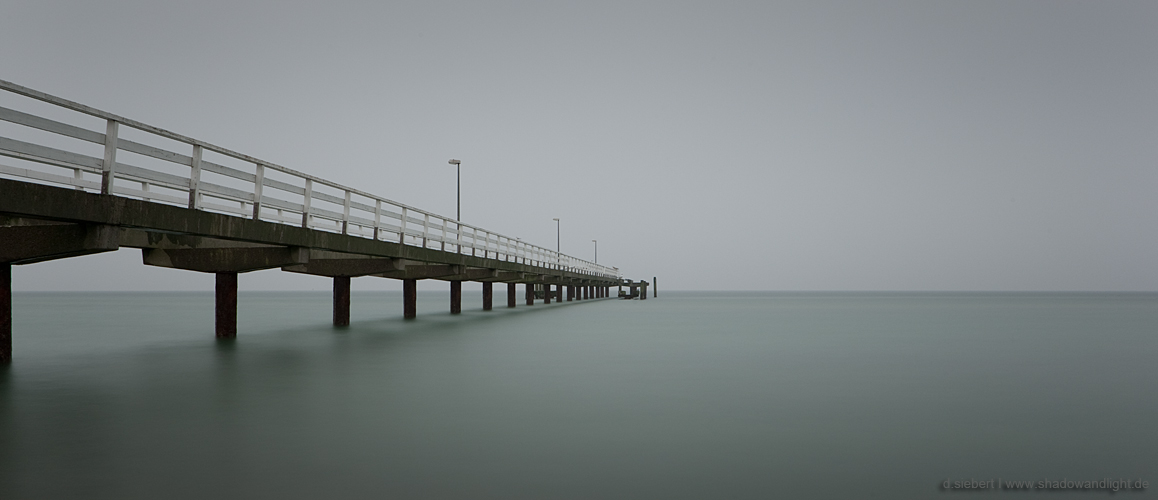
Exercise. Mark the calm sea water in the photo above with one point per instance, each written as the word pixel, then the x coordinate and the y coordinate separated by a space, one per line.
pixel 691 395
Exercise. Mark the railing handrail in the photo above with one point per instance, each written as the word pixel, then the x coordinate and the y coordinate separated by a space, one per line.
pixel 516 247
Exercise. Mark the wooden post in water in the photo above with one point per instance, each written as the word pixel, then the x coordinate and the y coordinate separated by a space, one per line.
pixel 5 313
pixel 488 295
pixel 510 295
pixel 455 297
pixel 409 299
pixel 341 301
pixel 226 308
pixel 654 288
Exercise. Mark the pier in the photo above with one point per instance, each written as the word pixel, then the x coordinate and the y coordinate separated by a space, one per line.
pixel 200 207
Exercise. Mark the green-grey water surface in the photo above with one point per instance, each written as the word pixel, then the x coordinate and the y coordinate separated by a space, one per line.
pixel 688 395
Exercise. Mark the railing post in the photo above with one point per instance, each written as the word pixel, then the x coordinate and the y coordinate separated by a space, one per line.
pixel 425 228
pixel 442 243
pixel 306 203
pixel 257 183
pixel 377 217
pixel 110 161
pixel 402 228
pixel 195 179
pixel 346 215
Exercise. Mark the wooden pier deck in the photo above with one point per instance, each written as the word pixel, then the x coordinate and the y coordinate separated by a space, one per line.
pixel 213 210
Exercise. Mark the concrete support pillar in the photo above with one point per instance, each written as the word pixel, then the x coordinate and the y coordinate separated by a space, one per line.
pixel 341 301
pixel 570 293
pixel 455 297
pixel 409 299
pixel 5 313
pixel 530 292
pixel 559 293
pixel 643 296
pixel 546 293
pixel 488 295
pixel 510 295
pixel 226 305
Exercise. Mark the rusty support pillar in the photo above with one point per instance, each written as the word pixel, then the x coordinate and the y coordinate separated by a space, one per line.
pixel 455 297
pixel 226 305
pixel 341 301
pixel 510 295
pixel 5 313
pixel 409 299
pixel 546 293
pixel 530 291
pixel 488 295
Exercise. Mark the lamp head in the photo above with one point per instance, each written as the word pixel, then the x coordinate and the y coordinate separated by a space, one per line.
pixel 454 162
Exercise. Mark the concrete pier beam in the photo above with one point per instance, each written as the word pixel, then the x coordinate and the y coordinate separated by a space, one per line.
pixel 341 301
pixel 226 308
pixel 5 313
pixel 510 295
pixel 410 298
pixel 488 295
pixel 455 297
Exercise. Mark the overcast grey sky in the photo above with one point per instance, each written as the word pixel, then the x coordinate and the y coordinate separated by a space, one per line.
pixel 765 145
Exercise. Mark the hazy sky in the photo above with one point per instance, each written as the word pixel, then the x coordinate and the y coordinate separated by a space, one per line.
pixel 1005 145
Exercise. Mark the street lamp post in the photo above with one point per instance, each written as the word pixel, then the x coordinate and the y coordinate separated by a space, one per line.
pixel 596 242
pixel 558 255
pixel 458 184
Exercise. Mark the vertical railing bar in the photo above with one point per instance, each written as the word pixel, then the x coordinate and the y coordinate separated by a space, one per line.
pixel 108 167
pixel 402 228
pixel 425 229
pixel 195 179
pixel 258 182
pixel 377 217
pixel 346 214
pixel 306 202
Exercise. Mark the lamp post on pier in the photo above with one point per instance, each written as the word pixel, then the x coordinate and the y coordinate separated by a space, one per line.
pixel 458 185
pixel 596 242
pixel 558 255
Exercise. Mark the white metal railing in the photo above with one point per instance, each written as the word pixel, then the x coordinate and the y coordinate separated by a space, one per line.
pixel 254 192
